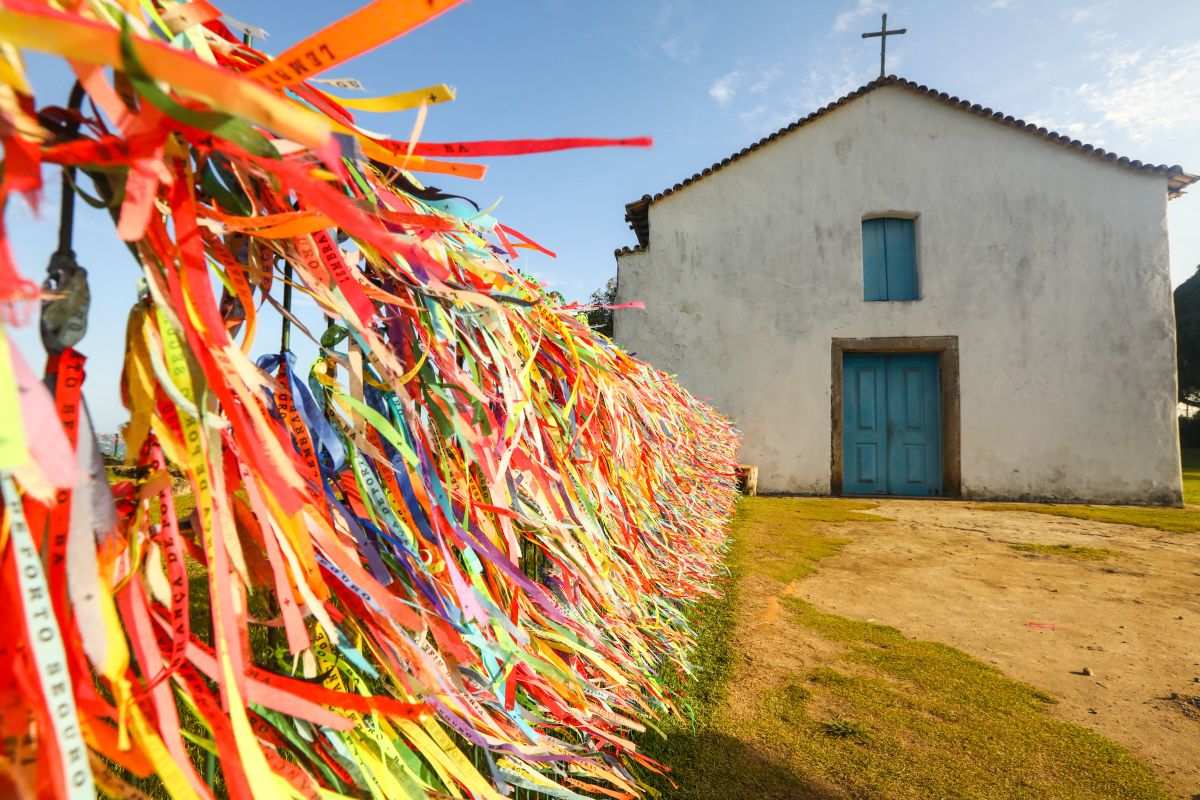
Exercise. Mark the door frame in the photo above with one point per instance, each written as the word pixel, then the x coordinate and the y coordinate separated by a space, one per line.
pixel 946 348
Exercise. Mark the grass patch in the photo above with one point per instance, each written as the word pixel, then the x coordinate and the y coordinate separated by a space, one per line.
pixel 780 540
pixel 1191 476
pixel 185 501
pixel 680 741
pixel 1066 551
pixel 1177 520
pixel 883 716
pixel 845 729
pixel 921 719
pixel 772 536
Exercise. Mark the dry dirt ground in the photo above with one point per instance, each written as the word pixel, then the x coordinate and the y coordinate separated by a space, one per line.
pixel 945 571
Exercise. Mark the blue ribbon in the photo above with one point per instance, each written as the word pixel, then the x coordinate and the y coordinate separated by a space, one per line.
pixel 306 406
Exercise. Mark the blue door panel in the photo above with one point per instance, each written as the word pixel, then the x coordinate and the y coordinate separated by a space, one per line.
pixel 864 425
pixel 914 391
pixel 914 464
pixel 891 424
pixel 867 408
pixel 866 464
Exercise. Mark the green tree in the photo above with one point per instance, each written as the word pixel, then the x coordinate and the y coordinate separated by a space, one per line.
pixel 1187 339
pixel 601 319
pixel 1187 343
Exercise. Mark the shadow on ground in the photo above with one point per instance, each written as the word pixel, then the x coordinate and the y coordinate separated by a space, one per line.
pixel 720 767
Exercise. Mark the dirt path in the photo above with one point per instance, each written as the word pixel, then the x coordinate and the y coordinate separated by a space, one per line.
pixel 944 571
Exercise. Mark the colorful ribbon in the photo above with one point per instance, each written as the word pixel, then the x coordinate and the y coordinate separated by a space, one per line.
pixel 453 560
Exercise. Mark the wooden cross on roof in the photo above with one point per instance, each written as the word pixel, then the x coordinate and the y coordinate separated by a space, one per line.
pixel 883 33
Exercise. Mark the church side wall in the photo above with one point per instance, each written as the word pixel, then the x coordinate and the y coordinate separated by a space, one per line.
pixel 1050 267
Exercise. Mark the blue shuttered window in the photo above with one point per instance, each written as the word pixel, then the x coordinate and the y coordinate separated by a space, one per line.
pixel 889 259
pixel 874 260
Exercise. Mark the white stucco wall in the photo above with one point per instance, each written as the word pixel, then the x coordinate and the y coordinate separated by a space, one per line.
pixel 1049 266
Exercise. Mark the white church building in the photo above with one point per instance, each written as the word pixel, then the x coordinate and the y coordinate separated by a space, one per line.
pixel 907 294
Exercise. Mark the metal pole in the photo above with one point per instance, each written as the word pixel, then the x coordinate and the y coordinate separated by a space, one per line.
pixel 66 297
pixel 285 333
pixel 66 220
pixel 285 330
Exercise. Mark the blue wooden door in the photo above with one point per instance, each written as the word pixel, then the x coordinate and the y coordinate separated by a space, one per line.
pixel 864 424
pixel 891 424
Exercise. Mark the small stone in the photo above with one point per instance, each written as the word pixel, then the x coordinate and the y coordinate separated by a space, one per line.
pixel 1085 671
pixel 1093 711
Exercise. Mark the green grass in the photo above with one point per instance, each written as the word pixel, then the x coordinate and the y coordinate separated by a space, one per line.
pixel 1066 551
pixel 679 740
pixel 775 537
pixel 845 729
pixel 877 715
pixel 780 539
pixel 1177 520
pixel 921 719
pixel 185 501
pixel 1191 476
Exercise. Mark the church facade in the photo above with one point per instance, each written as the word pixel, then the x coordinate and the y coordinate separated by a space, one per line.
pixel 906 294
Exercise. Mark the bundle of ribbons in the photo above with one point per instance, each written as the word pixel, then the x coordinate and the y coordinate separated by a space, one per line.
pixel 455 558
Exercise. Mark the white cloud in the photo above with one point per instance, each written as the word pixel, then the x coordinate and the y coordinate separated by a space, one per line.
pixel 830 79
pixel 998 5
pixel 741 82
pixel 725 87
pixel 1066 115
pixel 1084 14
pixel 1129 59
pixel 678 29
pixel 861 10
pixel 1100 37
pixel 752 115
pixel 764 81
pixel 679 48
pixel 1086 132
pixel 1142 95
pixel 1148 92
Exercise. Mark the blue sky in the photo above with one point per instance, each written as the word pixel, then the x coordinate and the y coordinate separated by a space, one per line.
pixel 704 78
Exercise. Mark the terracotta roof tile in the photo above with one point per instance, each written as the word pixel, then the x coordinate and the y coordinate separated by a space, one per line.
pixel 637 213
